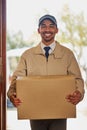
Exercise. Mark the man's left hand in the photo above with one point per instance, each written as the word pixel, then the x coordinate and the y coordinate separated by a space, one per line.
pixel 74 98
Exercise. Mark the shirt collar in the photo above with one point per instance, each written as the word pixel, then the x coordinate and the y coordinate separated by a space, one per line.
pixel 58 51
pixel 52 46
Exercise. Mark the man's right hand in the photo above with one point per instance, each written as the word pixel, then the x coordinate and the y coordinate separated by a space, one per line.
pixel 16 101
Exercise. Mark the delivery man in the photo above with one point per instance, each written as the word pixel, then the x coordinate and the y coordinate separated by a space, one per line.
pixel 48 58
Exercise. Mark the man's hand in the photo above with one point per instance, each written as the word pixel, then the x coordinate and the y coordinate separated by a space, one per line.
pixel 74 98
pixel 16 101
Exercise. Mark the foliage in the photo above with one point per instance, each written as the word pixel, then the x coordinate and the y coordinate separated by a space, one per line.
pixel 73 30
pixel 15 40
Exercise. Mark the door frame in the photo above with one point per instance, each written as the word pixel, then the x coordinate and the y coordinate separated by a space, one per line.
pixel 2 64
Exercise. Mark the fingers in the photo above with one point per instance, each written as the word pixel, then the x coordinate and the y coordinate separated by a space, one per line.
pixel 70 98
pixel 16 101
pixel 74 98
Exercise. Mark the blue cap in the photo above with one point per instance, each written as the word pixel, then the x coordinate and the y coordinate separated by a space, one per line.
pixel 50 17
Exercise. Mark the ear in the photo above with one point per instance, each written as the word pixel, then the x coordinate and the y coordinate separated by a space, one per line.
pixel 38 30
pixel 57 30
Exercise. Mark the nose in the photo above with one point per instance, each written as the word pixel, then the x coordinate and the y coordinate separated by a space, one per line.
pixel 47 28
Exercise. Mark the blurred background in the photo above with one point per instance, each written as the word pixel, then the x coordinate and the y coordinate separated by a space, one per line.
pixel 22 25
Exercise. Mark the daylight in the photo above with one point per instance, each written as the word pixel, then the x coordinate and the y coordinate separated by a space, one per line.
pixel 23 16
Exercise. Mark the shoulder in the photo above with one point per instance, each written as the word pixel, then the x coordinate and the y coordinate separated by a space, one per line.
pixel 29 51
pixel 63 49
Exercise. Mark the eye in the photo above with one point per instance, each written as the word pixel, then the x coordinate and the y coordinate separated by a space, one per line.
pixel 52 25
pixel 43 26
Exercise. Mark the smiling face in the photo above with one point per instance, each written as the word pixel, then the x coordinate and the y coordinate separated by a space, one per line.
pixel 47 30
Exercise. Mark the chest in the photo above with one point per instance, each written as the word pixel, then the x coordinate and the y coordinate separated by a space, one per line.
pixel 38 65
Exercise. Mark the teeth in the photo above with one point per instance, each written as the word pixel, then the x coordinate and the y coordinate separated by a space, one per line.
pixel 47 34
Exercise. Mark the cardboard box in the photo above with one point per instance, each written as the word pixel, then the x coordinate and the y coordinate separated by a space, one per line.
pixel 43 97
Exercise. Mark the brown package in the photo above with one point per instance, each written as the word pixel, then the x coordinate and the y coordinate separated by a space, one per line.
pixel 43 97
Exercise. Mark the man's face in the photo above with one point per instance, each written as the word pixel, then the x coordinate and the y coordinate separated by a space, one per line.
pixel 47 30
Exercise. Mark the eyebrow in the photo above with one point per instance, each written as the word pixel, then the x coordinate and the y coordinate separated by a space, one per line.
pixel 49 24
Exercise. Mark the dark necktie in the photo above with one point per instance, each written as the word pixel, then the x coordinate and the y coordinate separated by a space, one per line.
pixel 47 51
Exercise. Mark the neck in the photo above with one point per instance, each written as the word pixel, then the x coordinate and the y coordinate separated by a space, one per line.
pixel 47 43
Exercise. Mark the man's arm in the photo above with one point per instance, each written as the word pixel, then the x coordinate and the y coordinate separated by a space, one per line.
pixel 74 69
pixel 19 72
